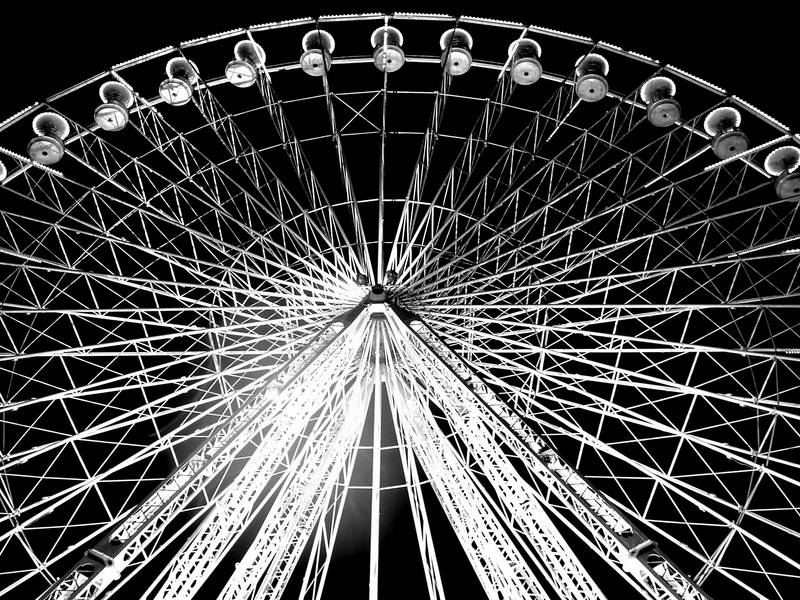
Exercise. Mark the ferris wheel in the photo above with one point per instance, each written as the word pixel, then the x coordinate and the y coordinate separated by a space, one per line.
pixel 536 290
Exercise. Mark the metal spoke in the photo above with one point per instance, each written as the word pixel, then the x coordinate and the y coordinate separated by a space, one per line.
pixel 521 299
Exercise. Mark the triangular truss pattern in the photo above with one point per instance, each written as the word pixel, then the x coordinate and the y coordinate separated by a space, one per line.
pixel 602 351
pixel 305 423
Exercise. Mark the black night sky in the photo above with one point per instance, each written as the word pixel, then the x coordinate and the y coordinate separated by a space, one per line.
pixel 751 52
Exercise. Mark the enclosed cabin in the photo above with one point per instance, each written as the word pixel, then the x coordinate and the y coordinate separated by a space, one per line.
pixel 182 75
pixel 114 112
pixel 591 71
pixel 248 57
pixel 47 147
pixel 456 45
pixel 658 93
pixel 526 66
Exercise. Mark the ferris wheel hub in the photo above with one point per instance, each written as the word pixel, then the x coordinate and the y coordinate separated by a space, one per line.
pixel 377 295
pixel 111 116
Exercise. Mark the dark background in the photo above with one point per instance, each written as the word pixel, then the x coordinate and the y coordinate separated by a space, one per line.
pixel 751 52
pixel 749 49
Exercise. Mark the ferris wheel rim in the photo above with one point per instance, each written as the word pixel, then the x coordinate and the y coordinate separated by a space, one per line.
pixel 444 314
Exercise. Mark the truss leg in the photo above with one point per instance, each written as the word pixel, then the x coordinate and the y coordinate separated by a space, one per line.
pixel 499 565
pixel 265 568
pixel 620 543
pixel 103 563
pixel 375 505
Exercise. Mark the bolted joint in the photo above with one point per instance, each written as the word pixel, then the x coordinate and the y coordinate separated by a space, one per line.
pixel 98 566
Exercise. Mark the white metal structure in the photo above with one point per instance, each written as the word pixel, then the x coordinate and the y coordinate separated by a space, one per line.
pixel 571 325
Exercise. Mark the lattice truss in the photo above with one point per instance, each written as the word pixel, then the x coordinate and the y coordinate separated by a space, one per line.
pixel 583 337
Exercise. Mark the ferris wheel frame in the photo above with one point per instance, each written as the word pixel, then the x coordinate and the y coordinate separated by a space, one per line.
pixel 437 286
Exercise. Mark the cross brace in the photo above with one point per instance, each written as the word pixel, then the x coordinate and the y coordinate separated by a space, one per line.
pixel 611 535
